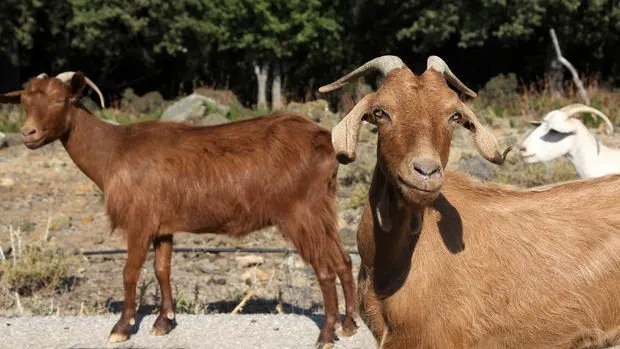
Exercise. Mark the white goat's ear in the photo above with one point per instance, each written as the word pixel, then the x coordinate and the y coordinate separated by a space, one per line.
pixel 562 124
pixel 535 123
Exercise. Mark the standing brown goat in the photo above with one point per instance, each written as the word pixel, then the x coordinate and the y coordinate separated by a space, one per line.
pixel 451 263
pixel 160 178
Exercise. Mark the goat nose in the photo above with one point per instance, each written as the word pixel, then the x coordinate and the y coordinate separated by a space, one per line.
pixel 522 148
pixel 27 131
pixel 426 167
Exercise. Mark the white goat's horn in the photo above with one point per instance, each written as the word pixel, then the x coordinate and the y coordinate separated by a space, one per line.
pixel 66 77
pixel 572 110
pixel 42 76
pixel 440 66
pixel 384 64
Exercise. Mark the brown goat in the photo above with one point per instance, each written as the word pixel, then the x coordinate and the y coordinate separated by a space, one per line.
pixel 448 262
pixel 159 178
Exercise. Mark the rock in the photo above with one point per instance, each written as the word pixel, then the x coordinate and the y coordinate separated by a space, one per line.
pixel 87 219
pixel 10 139
pixel 7 182
pixel 317 111
pixel 60 222
pixel 251 275
pixel 212 120
pixel 3 141
pixel 216 281
pixel 294 261
pixel 249 260
pixel 193 108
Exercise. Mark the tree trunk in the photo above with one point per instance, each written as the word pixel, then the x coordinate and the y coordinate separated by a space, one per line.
pixel 276 88
pixel 262 72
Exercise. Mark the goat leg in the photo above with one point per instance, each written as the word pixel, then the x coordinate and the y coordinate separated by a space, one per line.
pixel 136 254
pixel 327 282
pixel 163 256
pixel 344 269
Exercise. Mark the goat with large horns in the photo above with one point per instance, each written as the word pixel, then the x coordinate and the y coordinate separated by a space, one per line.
pixel 448 262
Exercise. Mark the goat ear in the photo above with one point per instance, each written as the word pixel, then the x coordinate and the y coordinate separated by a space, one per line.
pixel 485 142
pixel 77 85
pixel 562 124
pixel 347 132
pixel 11 97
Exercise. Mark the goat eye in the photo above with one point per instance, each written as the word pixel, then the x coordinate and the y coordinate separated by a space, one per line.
pixel 378 113
pixel 456 117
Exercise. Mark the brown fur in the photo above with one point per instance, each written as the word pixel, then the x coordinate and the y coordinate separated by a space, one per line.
pixel 160 178
pixel 475 265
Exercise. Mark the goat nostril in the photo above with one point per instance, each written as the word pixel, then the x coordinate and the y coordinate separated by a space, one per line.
pixel 28 131
pixel 522 148
pixel 426 169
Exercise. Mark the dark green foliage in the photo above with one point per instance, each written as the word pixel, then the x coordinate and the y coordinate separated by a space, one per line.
pixel 176 46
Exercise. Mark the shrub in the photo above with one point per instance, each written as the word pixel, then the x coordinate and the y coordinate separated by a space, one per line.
pixel 37 266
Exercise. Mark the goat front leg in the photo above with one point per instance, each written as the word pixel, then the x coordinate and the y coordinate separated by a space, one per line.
pixel 163 256
pixel 137 250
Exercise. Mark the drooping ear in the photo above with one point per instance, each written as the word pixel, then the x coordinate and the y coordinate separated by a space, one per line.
pixel 11 97
pixel 485 142
pixel 562 124
pixel 346 134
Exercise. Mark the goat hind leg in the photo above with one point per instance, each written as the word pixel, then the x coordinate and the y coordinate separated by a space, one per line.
pixel 163 255
pixel 137 249
pixel 344 269
pixel 327 282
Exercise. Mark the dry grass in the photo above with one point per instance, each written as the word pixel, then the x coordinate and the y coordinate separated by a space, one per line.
pixel 35 266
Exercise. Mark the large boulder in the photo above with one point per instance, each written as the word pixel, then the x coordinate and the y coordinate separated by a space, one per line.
pixel 194 108
pixel 317 111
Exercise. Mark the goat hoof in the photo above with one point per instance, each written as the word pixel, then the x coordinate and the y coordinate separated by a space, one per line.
pixel 324 345
pixel 162 326
pixel 118 337
pixel 347 330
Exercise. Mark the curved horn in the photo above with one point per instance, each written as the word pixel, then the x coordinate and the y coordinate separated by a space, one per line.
pixel 384 64
pixel 66 77
pixel 573 109
pixel 42 76
pixel 440 66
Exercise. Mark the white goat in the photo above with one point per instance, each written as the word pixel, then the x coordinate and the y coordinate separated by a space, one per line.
pixel 560 134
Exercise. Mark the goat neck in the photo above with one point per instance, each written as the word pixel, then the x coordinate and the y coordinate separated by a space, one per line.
pixel 391 228
pixel 587 154
pixel 91 143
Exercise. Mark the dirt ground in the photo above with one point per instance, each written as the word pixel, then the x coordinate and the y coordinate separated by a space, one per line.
pixel 43 190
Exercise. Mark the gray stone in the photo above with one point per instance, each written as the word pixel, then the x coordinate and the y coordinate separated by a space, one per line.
pixel 212 120
pixel 317 111
pixel 193 108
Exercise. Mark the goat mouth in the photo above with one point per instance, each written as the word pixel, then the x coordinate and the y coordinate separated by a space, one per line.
pixel 410 185
pixel 33 144
pixel 527 156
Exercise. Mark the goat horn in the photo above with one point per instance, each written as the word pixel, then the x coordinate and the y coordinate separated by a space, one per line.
pixel 42 76
pixel 384 64
pixel 573 109
pixel 440 66
pixel 66 77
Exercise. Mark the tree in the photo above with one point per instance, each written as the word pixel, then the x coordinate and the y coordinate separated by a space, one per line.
pixel 269 32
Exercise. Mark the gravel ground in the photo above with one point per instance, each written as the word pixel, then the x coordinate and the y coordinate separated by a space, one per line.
pixel 192 331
